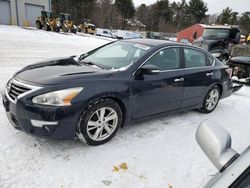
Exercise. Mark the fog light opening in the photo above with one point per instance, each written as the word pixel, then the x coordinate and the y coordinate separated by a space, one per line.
pixel 41 124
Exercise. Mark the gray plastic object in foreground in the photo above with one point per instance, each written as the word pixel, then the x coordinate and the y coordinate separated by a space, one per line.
pixel 215 143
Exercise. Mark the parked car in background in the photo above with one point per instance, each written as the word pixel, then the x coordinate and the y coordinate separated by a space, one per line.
pixel 217 39
pixel 93 95
pixel 105 33
pixel 122 34
pixel 234 168
pixel 240 62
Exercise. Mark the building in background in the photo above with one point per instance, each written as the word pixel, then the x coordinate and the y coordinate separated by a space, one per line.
pixel 22 12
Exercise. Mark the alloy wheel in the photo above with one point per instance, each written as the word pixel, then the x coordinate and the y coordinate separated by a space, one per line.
pixel 212 99
pixel 102 123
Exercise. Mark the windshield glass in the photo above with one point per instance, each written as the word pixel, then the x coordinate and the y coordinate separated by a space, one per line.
pixel 118 55
pixel 215 33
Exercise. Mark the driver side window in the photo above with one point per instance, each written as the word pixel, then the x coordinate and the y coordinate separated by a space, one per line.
pixel 166 59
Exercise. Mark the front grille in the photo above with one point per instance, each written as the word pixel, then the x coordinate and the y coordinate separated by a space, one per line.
pixel 16 90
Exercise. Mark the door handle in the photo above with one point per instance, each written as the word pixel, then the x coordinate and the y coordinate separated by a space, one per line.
pixel 179 79
pixel 209 74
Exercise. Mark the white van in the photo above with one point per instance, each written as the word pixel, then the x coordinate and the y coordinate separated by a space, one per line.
pixel 128 34
pixel 105 33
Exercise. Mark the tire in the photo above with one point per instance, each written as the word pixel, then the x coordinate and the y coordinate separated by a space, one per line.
pixel 46 27
pixel 93 127
pixel 65 29
pixel 73 30
pixel 38 25
pixel 211 100
pixel 57 30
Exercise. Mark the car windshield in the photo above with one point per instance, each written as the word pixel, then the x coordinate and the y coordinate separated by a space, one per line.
pixel 215 33
pixel 116 56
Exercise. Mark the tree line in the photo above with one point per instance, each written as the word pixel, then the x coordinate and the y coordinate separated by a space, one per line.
pixel 162 16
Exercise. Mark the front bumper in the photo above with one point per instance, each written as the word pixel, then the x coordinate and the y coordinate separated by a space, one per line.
pixel 50 122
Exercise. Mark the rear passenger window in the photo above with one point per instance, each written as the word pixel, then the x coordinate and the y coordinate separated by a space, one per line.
pixel 194 58
pixel 166 59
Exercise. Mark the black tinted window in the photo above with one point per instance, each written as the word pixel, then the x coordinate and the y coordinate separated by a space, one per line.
pixel 194 58
pixel 166 59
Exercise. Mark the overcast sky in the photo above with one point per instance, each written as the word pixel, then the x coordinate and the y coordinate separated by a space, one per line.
pixel 214 6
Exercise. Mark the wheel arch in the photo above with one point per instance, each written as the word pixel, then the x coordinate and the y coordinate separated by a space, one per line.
pixel 115 97
pixel 220 87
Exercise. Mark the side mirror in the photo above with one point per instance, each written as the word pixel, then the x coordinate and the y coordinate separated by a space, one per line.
pixel 149 69
pixel 216 144
pixel 195 35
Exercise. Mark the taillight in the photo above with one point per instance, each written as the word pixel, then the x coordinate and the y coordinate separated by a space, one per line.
pixel 229 72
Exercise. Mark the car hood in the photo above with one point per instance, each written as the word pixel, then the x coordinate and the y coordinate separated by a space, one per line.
pixel 59 71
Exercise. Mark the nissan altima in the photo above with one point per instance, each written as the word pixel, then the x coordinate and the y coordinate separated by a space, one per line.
pixel 91 96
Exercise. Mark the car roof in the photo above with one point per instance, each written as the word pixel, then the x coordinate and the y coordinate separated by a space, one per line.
pixel 161 43
pixel 151 42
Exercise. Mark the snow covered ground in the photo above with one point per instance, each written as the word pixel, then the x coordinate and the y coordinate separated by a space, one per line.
pixel 159 153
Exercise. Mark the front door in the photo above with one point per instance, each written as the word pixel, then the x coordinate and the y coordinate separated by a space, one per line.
pixel 162 92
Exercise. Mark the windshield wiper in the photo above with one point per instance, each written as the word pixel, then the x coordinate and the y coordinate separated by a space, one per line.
pixel 81 57
pixel 91 64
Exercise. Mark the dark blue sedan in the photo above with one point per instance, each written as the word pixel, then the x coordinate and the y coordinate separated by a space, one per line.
pixel 91 96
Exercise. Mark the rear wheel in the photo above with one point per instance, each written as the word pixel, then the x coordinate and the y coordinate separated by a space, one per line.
pixel 100 122
pixel 211 100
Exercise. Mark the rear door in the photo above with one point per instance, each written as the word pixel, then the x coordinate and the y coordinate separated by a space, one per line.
pixel 162 92
pixel 198 75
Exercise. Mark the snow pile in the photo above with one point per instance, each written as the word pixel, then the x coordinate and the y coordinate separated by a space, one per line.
pixel 161 152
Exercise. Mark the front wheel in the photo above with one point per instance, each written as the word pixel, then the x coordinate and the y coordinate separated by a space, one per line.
pixel 100 122
pixel 211 100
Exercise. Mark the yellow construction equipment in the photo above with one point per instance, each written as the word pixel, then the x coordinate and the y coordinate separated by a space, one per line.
pixel 87 27
pixel 248 39
pixel 47 22
pixel 67 25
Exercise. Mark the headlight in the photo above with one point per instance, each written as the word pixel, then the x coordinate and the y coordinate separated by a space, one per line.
pixel 216 55
pixel 58 98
